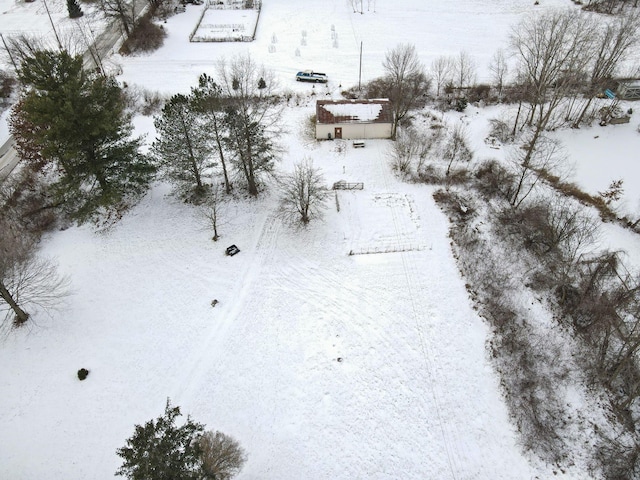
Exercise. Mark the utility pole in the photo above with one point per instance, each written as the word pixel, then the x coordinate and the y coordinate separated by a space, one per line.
pixel 55 32
pixel 360 72
pixel 9 52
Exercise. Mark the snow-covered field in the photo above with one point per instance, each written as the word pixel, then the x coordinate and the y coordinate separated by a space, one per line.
pixel 323 365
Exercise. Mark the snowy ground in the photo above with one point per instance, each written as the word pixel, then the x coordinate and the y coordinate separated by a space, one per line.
pixel 31 19
pixel 414 395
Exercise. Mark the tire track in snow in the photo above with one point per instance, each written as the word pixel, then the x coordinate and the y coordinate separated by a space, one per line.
pixel 195 365
pixel 449 438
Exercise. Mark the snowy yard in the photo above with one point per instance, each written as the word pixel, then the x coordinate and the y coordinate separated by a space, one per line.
pixel 322 364
pixel 375 361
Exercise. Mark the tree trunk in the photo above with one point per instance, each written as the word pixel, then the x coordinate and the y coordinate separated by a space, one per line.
pixel 515 124
pixel 251 178
pixel 578 121
pixel 192 159
pixel 218 134
pixel 21 315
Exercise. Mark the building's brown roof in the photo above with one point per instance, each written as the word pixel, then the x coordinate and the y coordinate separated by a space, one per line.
pixel 354 111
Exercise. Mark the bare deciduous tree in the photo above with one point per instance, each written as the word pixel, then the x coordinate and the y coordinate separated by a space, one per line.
pixel 27 282
pixel 611 45
pixel 222 456
pixel 552 50
pixel 529 165
pixel 442 69
pixel 464 70
pixel 407 83
pixel 121 11
pixel 456 148
pixel 304 193
pixel 212 209
pixel 499 69
pixel 252 115
pixel 409 152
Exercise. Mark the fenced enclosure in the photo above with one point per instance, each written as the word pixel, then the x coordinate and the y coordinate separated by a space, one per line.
pixel 227 21
pixel 342 185
pixel 372 250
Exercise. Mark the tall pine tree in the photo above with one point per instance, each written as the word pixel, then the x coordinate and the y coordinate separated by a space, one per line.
pixel 76 122
pixel 209 101
pixel 184 146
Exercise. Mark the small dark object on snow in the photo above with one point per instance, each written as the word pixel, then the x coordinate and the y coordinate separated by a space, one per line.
pixel 232 250
pixel 214 302
pixel 82 373
pixel 339 359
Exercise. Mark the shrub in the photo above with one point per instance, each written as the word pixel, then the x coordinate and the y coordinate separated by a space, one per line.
pixel 458 208
pixel 492 179
pixel 479 92
pixel 501 130
pixel 461 104
pixel 153 102
pixel 429 174
pixel 145 37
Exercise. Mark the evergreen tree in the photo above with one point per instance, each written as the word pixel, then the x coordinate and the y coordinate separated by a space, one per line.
pixel 74 9
pixel 252 116
pixel 184 145
pixel 209 101
pixel 77 122
pixel 160 450
pixel 254 151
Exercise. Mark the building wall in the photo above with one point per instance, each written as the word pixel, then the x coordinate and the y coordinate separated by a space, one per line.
pixel 351 131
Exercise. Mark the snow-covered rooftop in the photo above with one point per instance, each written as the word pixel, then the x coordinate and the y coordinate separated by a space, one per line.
pixel 353 111
pixel 357 111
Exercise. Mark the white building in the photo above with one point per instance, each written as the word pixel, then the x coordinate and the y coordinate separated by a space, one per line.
pixel 353 119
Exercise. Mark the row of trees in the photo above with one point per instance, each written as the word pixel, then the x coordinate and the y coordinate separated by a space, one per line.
pixel 73 131
pixel 73 125
pixel 556 64
pixel 562 61
pixel 230 123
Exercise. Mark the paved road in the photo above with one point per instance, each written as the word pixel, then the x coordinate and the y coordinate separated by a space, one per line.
pixel 8 158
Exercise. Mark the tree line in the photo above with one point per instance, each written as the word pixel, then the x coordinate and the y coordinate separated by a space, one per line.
pixel 73 130
pixel 520 232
